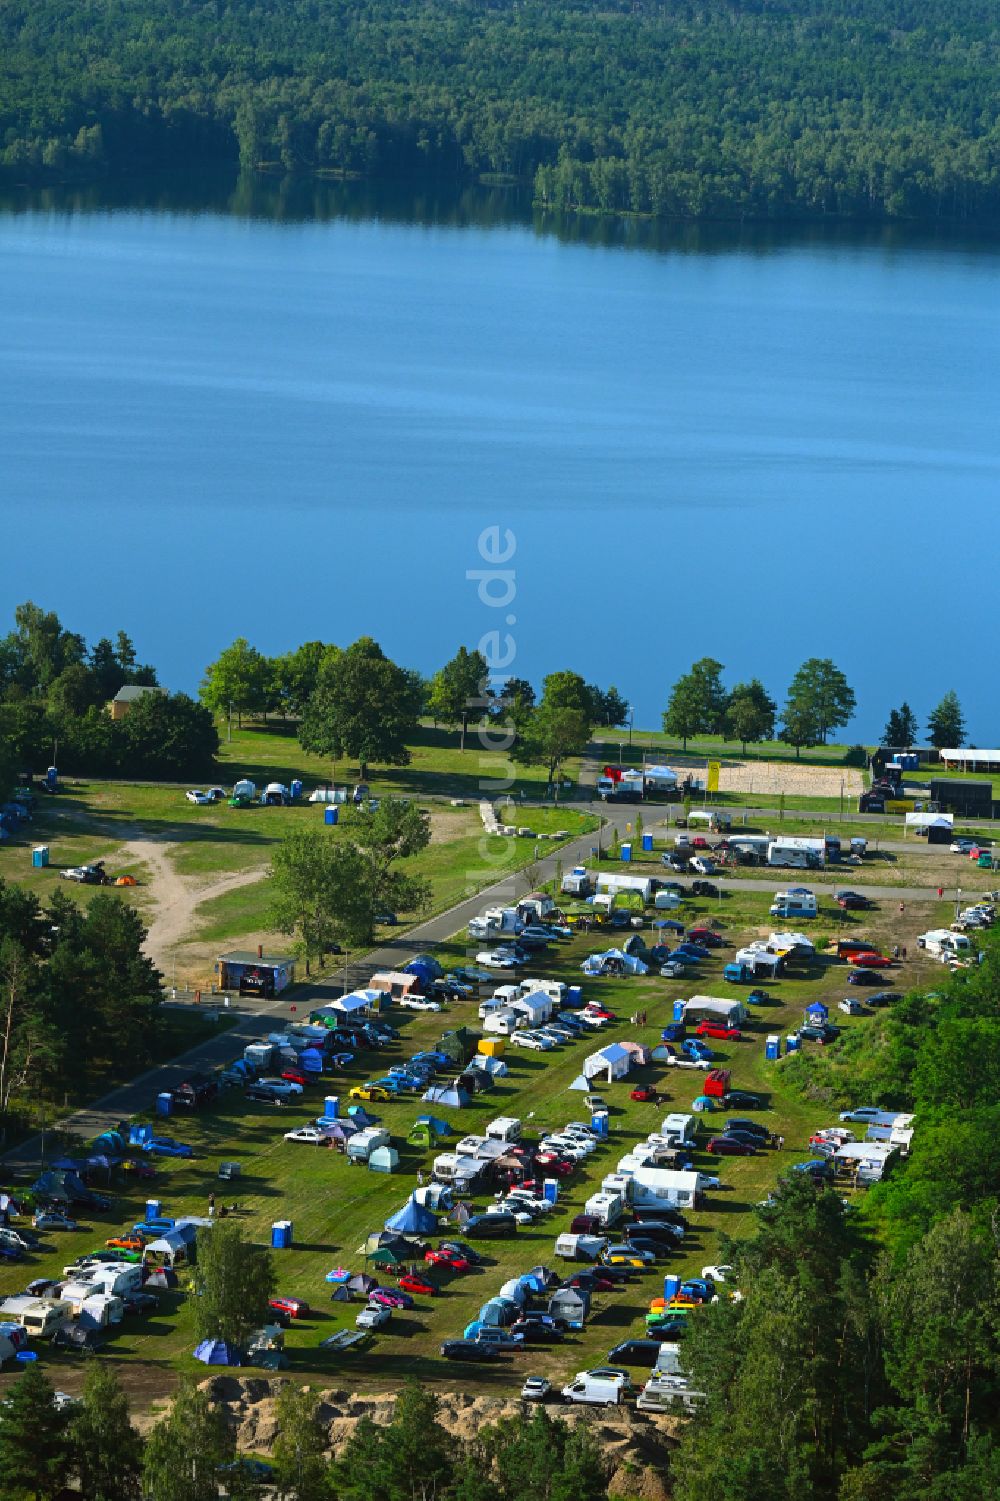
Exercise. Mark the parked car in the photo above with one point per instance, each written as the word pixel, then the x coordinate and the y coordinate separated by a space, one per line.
pixel 312 1135
pixel 196 796
pixel 872 961
pixel 536 1389
pixel 750 1138
pixel 704 888
pixel 816 1167
pixel 450 1259
pixel 283 1087
pixel 295 1308
pixel 864 977
pixel 850 1006
pixel 821 1034
pixel 418 1003
pixel 725 1146
pixel 492 1225
pixel 468 1349
pixel 643 1352
pixel 883 998
pixel 537 1331
pixel 716 1273
pixel 264 1095
pixel 53 1219
pixel 852 901
pixel 644 1093
pixel 718 1029
pixel 742 1099
pixel 376 1093
pixel 754 1128
pixel 374 1316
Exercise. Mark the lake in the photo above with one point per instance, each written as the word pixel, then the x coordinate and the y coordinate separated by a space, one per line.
pixel 290 412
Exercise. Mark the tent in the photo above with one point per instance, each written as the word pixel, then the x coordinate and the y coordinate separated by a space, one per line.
pixel 458 1045
pixel 358 1000
pixel 217 1352
pixel 383 1160
pixel 451 1095
pixel 612 1062
pixel 421 1136
pixel 435 1196
pixel 515 1290
pixel 475 1081
pixel 571 1304
pixel 424 965
pixel 615 962
pixel 662 1054
pixel 730 1012
pixel 360 1116
pixel 362 1283
pixel 580 1082
pixel 703 1102
pixel 542 1276
pixel 172 1247
pixel 640 1053
pixel 161 1277
pixel 499 1312
pixel 489 1065
pixel 439 1127
pixel 413 1219
pixel 389 1256
pixel 340 1294
pixel 816 1012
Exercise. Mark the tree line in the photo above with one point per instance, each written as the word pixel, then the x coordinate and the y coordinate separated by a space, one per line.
pixel 73 984
pixel 54 696
pixel 863 1359
pixel 727 108
pixel 191 1454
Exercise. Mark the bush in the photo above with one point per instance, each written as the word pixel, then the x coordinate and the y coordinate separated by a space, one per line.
pixel 856 755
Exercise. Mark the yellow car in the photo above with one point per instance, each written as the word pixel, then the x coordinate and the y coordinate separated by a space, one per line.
pixel 623 1258
pixel 370 1092
pixel 679 1302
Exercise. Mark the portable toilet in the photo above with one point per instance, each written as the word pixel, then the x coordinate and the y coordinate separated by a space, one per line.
pixel 281 1235
pixel 295 789
pixel 792 1042
pixel 330 814
pixel 153 1209
pixel 164 1103
pixel 647 844
pixel 52 779
pixel 228 1171
pixel 772 1049
pixel 626 854
pixel 671 1286
pixel 331 1107
pixel 550 1190
pixel 599 1121
pixel 679 1010
pixel 574 997
pixel 40 856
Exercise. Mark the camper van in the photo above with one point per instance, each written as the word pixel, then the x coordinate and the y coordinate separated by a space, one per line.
pixel 580 1247
pixel 680 1129
pixel 578 883
pixel 504 1022
pixel 461 1174
pixel 666 901
pixel 796 854
pixel 554 989
pixel 38 1317
pixel 942 944
pixel 606 1207
pixel 505 1128
pixel 793 904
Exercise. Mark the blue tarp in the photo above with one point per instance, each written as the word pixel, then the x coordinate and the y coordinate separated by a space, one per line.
pixel 217 1352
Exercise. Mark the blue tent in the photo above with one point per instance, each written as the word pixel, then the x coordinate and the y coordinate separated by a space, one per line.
pixel 424 965
pixel 217 1352
pixel 817 1011
pixel 413 1219
pixel 439 1128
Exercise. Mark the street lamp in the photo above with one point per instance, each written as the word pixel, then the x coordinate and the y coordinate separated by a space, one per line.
pixel 631 716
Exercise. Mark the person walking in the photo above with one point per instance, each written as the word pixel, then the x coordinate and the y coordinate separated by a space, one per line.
pixel 211 1206
pixel 420 1177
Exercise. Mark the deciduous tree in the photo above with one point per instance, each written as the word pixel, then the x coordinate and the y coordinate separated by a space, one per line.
pixel 233 1280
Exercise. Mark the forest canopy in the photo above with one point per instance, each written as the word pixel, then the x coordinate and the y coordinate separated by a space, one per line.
pixel 777 108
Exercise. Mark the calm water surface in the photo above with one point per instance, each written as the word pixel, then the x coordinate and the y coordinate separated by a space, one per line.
pixel 289 416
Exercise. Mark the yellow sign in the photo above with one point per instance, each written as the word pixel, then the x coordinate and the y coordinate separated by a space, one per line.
pixel 712 785
pixel 898 805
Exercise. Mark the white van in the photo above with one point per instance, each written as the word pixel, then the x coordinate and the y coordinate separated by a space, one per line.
pixel 596 1391
pixel 504 1022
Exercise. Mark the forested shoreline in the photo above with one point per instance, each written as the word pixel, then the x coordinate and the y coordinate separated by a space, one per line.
pixel 871 111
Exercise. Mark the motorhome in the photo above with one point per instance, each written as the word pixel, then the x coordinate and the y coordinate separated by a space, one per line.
pixel 505 1128
pixel 461 1174
pixel 38 1317
pixel 579 882
pixel 752 846
pixel 608 1208
pixel 942 944
pixel 504 1022
pixel 580 1247
pixel 801 904
pixel 797 854
pixel 556 990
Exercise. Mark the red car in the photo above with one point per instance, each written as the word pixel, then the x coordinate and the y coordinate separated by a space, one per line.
pixel 600 1283
pixel 707 936
pixel 871 961
pixel 296 1308
pixel 294 1077
pixel 553 1164
pixel 644 1092
pixel 699 842
pixel 723 1146
pixel 450 1259
pixel 718 1029
pixel 602 1011
pixel 413 1282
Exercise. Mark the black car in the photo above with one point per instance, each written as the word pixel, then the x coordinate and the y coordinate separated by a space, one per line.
pixel 668 1216
pixel 661 1249
pixel 653 1230
pixel 493 1225
pixel 468 1349
pixel 264 1094
pixel 140 1302
pixel 749 1138
pixel 459 1246
pixel 671 1329
pixel 865 977
pixel 740 1099
pixel 536 1332
pixel 635 1352
pixel 704 888
pixel 883 998
pixel 737 1123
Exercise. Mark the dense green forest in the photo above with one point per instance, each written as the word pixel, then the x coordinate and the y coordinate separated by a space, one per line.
pixel 728 108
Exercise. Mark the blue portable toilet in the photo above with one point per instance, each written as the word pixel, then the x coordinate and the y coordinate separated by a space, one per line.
pixel 792 1042
pixel 550 1190
pixel 599 1122
pixel 626 854
pixel 671 1286
pixel 679 1011
pixel 331 1107
pixel 330 815
pixel 153 1209
pixel 164 1103
pixel 574 996
pixel 295 790
pixel 772 1049
pixel 52 779
pixel 647 844
pixel 281 1235
pixel 40 856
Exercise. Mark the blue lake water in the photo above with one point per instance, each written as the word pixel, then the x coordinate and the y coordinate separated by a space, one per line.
pixel 292 421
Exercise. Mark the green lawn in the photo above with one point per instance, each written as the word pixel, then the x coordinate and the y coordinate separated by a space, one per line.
pixel 333 1206
pixel 711 747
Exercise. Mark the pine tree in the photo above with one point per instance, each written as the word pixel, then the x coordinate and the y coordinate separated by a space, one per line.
pixel 185 1450
pixel 946 723
pixel 34 1454
pixel 106 1449
pixel 300 1465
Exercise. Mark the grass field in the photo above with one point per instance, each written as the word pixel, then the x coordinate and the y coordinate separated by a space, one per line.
pixel 334 1206
pixel 710 747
